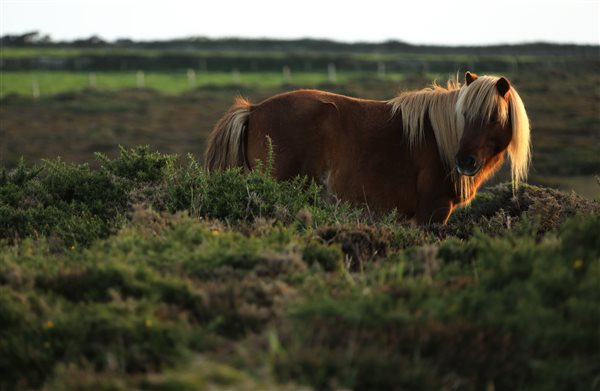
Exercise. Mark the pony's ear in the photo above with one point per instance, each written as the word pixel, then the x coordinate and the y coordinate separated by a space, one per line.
pixel 470 77
pixel 503 87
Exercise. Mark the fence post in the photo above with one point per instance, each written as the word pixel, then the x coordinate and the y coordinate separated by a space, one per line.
pixel 191 77
pixel 235 76
pixel 514 68
pixel 331 73
pixel 140 78
pixel 35 88
pixel 381 70
pixel 287 74
pixel 92 81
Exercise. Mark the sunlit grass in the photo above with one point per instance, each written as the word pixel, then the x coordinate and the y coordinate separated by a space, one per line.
pixel 53 82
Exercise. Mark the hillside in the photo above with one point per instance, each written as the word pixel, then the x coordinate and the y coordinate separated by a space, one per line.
pixel 146 273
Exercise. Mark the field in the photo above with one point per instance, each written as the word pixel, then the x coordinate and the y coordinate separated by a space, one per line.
pixel 132 268
pixel 50 83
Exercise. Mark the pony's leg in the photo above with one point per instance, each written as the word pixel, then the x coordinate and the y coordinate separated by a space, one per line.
pixel 434 195
pixel 433 210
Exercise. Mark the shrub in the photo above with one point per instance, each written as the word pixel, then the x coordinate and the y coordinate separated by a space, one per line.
pixel 506 310
pixel 69 202
pixel 328 257
pixel 137 164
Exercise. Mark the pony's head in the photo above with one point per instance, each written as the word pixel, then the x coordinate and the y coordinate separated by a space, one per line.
pixel 493 121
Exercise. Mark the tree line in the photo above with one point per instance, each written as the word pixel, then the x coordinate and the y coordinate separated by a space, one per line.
pixel 37 39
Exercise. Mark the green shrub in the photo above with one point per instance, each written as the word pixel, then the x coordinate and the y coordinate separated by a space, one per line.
pixel 507 310
pixel 328 257
pixel 69 202
pixel 137 164
pixel 233 196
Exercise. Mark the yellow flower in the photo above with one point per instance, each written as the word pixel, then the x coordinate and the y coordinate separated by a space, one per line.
pixel 49 324
pixel 577 264
pixel 148 322
pixel 215 232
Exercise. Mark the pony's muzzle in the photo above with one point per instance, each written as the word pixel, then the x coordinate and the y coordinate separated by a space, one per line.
pixel 467 165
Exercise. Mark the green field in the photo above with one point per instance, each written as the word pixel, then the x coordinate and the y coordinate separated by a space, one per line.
pixel 50 83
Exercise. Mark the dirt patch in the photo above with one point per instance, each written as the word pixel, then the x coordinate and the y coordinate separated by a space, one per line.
pixel 361 244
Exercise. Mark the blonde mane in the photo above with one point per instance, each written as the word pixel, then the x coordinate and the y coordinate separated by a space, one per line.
pixel 446 110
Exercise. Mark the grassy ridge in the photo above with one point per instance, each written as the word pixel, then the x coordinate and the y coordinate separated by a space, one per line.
pixel 148 273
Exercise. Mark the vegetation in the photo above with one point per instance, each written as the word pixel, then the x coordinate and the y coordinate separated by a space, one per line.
pixel 56 82
pixel 148 273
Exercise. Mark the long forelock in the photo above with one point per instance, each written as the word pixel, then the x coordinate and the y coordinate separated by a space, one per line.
pixel 481 101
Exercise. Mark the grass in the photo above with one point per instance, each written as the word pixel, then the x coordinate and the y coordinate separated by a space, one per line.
pixel 54 82
pixel 148 273
pixel 587 186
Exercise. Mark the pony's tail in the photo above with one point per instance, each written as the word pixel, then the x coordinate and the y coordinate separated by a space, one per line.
pixel 225 145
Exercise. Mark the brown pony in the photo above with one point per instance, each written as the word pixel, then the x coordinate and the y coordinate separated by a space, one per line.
pixel 424 152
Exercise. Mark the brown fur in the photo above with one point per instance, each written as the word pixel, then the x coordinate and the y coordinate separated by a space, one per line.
pixel 357 149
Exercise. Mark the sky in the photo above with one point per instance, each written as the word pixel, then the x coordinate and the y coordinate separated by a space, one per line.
pixel 416 21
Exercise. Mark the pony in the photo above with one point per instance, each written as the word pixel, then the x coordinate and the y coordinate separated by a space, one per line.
pixel 423 153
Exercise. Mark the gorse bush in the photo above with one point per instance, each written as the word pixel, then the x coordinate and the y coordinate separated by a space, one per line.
pixel 75 204
pixel 137 165
pixel 149 273
pixel 137 302
pixel 504 311
pixel 233 196
pixel 71 203
pixel 37 194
